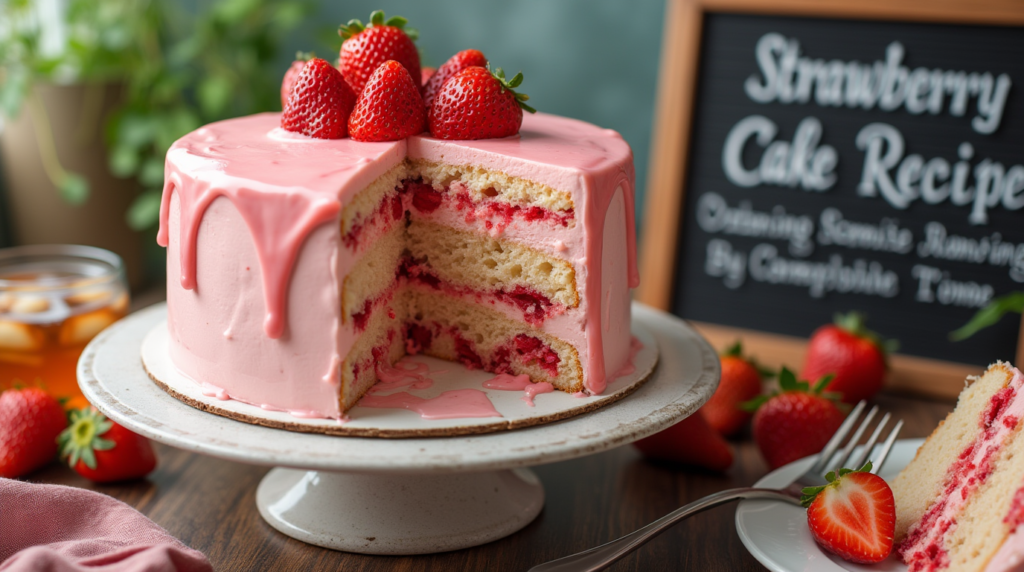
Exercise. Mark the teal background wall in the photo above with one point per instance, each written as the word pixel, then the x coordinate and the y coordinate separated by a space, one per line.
pixel 595 60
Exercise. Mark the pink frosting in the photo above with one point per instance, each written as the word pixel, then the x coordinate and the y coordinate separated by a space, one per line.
pixel 453 404
pixel 414 377
pixel 506 382
pixel 242 197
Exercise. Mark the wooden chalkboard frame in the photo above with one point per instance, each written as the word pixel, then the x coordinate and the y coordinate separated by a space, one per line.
pixel 670 143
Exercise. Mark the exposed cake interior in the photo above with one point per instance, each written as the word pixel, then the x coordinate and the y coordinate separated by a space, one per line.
pixel 450 264
pixel 298 267
pixel 953 501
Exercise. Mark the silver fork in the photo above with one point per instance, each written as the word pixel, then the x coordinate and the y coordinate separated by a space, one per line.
pixel 605 555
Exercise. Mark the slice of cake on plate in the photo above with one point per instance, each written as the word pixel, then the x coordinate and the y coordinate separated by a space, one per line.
pixel 960 501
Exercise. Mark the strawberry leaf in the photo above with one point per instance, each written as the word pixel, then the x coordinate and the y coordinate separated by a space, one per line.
pixel 396 22
pixel 752 405
pixel 855 323
pixel 521 98
pixel 377 18
pixel 83 436
pixel 353 27
pixel 808 494
pixel 735 350
pixel 820 385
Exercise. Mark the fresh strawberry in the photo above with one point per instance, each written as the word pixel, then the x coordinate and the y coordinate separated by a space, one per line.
pixel 852 353
pixel 794 422
pixel 476 103
pixel 741 382
pixel 320 102
pixel 689 442
pixel 293 74
pixel 426 72
pixel 854 516
pixel 364 48
pixel 454 65
pixel 30 420
pixel 103 451
pixel 389 108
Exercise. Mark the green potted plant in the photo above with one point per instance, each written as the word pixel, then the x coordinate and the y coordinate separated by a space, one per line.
pixel 95 94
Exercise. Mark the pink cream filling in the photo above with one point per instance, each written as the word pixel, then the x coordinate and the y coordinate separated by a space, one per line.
pixel 534 306
pixel 924 548
pixel 496 215
pixel 527 349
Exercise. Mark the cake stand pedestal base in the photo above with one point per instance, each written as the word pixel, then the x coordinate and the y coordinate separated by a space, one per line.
pixel 400 513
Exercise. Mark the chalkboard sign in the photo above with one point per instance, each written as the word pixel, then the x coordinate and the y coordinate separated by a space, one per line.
pixel 839 164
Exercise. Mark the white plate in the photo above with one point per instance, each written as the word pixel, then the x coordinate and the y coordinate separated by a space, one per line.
pixel 776 533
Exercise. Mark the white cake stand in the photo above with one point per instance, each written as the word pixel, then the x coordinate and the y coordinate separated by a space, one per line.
pixel 397 496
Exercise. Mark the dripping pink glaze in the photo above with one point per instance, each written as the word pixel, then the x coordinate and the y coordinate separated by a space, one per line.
pixel 535 389
pixel 453 404
pixel 402 376
pixel 283 188
pixel 629 368
pixel 507 382
pixel 249 159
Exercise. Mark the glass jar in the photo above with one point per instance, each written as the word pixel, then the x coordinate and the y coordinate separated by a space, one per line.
pixel 53 300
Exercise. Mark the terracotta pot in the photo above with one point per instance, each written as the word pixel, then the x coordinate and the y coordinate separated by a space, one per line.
pixel 76 115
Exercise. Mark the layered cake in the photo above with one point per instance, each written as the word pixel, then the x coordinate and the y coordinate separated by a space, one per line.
pixel 299 268
pixel 960 502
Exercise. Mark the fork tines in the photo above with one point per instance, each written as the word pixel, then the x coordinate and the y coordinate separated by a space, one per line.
pixel 830 460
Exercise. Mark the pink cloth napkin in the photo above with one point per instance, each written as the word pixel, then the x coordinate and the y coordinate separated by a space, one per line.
pixel 51 528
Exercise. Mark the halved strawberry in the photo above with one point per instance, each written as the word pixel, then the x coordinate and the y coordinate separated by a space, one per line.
pixel 320 102
pixel 853 516
pixel 364 48
pixel 689 442
pixel 389 108
pixel 477 103
pixel 454 65
pixel 288 82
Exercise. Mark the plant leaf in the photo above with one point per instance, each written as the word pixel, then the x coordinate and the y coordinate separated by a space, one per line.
pixel 73 188
pixel 144 211
pixel 990 315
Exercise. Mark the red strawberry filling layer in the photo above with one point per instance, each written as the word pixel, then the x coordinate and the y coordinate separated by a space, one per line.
pixel 526 349
pixel 423 198
pixel 383 218
pixel 496 215
pixel 924 548
pixel 535 306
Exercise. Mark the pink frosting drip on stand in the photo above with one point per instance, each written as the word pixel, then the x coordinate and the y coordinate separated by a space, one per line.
pixel 401 376
pixel 506 382
pixel 629 368
pixel 453 404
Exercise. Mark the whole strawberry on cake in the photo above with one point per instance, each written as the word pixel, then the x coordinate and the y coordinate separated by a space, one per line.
pixel 309 249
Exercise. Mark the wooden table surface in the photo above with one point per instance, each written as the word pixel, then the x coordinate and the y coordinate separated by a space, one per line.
pixel 210 505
